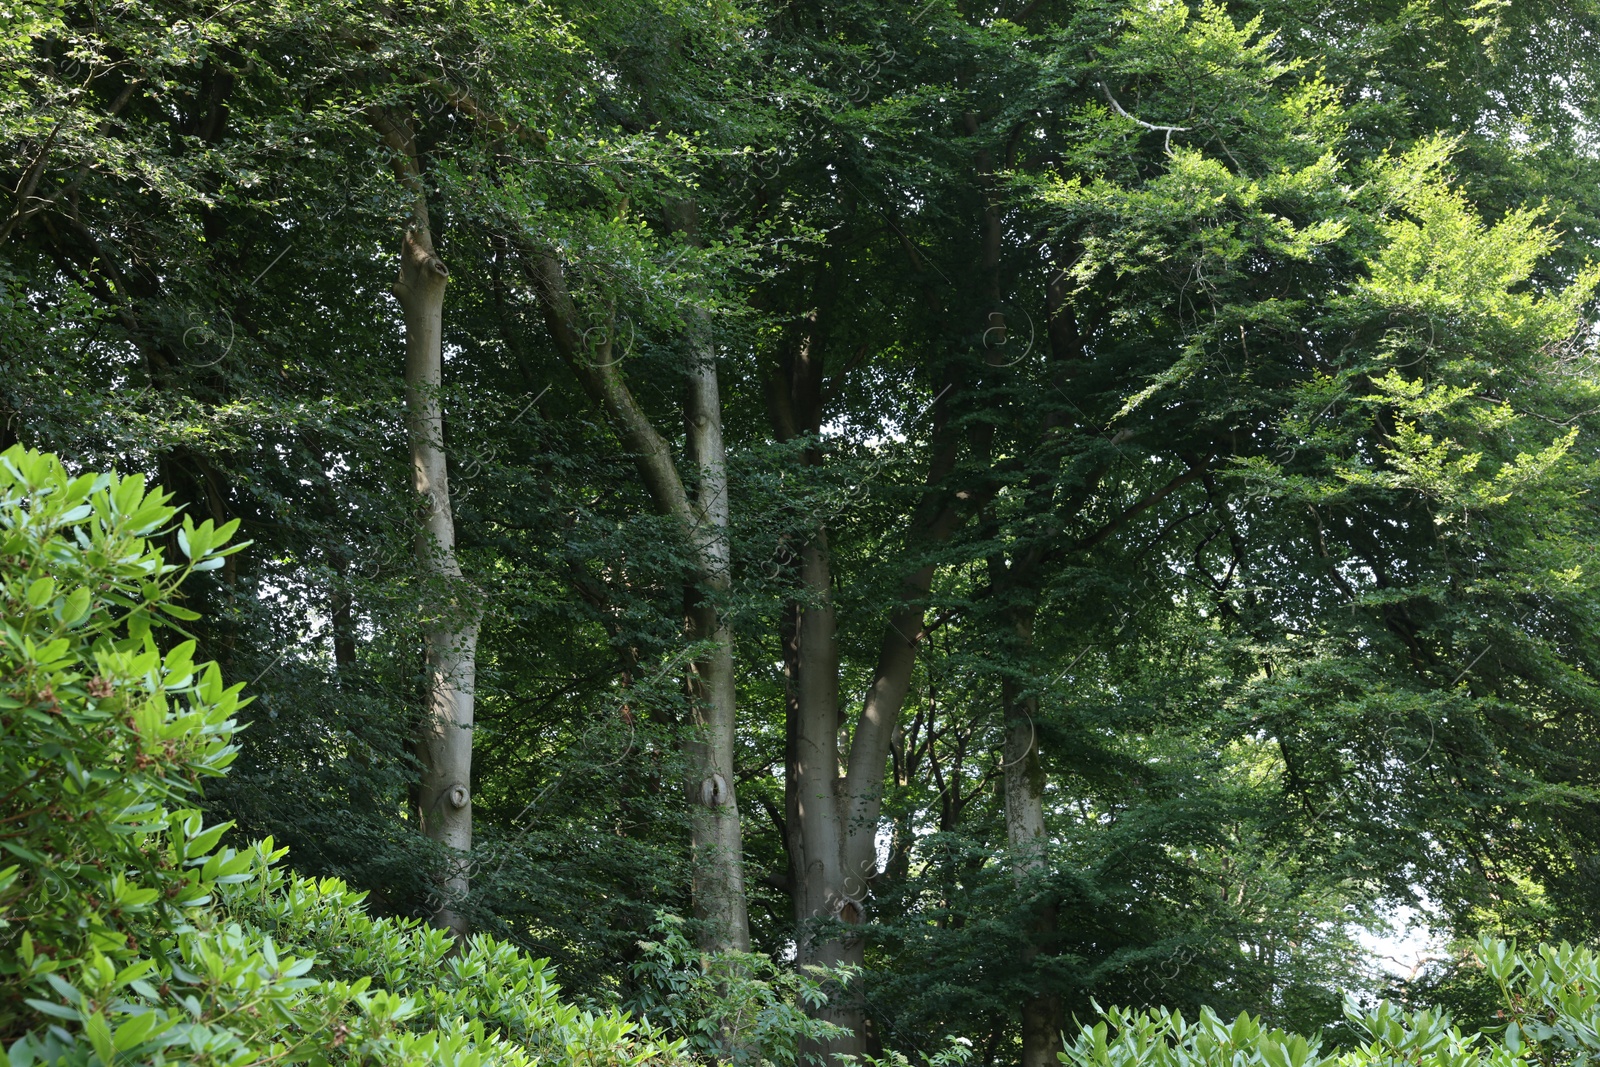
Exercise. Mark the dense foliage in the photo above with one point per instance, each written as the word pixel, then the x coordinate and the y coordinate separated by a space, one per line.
pixel 128 932
pixel 1022 505
pixel 1547 999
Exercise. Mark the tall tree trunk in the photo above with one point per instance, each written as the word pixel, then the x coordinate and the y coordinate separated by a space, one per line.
pixel 719 897
pixel 816 794
pixel 450 636
pixel 834 810
pixel 824 894
pixel 1025 834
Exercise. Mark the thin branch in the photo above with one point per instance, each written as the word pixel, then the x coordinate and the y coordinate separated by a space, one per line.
pixel 1135 510
pixel 468 105
pixel 1168 130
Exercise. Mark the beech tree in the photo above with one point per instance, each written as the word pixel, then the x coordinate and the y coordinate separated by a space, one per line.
pixel 699 510
pixel 450 636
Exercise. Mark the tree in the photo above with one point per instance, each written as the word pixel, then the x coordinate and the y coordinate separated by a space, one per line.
pixel 444 793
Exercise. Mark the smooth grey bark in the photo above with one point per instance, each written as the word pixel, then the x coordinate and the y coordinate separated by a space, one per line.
pixel 824 891
pixel 719 894
pixel 814 760
pixel 1024 781
pixel 702 518
pixel 450 636
pixel 835 800
pixel 833 817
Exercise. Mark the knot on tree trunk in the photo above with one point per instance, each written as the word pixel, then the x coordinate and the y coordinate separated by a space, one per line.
pixel 457 796
pixel 714 791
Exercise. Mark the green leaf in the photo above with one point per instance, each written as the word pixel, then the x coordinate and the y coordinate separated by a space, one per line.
pixel 54 1010
pixel 22 852
pixel 76 608
pixel 40 592
pixel 134 1031
pixel 21 1053
pixel 99 1034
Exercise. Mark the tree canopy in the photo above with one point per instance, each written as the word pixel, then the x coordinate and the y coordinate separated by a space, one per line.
pixel 1022 506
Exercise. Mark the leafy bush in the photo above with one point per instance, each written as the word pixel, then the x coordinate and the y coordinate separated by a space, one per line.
pixel 1551 1004
pixel 127 935
pixel 101 732
pixel 734 1007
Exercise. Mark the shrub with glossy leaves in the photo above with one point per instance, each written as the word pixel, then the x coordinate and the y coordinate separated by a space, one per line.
pixel 1551 1004
pixel 127 935
pixel 102 737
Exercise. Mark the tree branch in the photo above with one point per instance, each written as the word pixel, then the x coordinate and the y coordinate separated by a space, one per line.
pixel 1168 130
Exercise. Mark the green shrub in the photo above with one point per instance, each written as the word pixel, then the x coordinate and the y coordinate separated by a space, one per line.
pixel 127 935
pixel 1551 1007
pixel 740 1008
pixel 103 736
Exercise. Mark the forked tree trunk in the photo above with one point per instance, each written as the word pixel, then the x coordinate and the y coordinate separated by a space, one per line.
pixel 450 635
pixel 834 804
pixel 834 816
pixel 702 518
pixel 816 794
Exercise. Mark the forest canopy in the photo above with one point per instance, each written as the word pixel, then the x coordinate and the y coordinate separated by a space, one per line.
pixel 931 517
